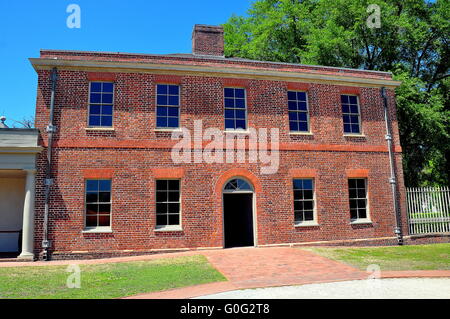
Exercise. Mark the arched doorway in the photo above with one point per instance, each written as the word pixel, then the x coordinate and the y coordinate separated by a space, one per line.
pixel 238 205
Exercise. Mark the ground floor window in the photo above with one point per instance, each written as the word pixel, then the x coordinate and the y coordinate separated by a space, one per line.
pixel 167 202
pixel 98 203
pixel 303 200
pixel 357 190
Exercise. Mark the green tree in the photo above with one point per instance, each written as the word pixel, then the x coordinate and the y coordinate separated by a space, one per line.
pixel 412 42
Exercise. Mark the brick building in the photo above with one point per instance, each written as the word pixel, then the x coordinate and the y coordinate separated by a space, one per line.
pixel 115 188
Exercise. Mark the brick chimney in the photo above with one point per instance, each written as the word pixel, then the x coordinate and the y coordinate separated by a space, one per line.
pixel 207 40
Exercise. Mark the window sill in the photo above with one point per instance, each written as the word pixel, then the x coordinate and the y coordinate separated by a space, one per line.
pixel 354 135
pixel 300 133
pixel 361 221
pixel 176 129
pixel 306 224
pixel 105 129
pixel 168 228
pixel 236 132
pixel 97 230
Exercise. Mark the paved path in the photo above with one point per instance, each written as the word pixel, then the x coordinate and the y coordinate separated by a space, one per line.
pixel 264 267
pixel 405 288
pixel 252 268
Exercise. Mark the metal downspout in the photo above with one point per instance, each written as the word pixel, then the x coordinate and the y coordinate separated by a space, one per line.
pixel 392 180
pixel 48 175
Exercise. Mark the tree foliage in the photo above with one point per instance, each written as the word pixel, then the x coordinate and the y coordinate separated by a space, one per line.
pixel 412 42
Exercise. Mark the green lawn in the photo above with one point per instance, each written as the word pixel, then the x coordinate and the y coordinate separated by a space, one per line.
pixel 414 257
pixel 110 280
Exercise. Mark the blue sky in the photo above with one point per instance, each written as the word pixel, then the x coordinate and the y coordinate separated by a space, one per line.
pixel 135 26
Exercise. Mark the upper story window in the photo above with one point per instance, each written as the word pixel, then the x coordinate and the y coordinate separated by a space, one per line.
pixel 235 109
pixel 167 106
pixel 167 202
pixel 298 111
pixel 351 114
pixel 304 201
pixel 101 100
pixel 98 203
pixel 357 191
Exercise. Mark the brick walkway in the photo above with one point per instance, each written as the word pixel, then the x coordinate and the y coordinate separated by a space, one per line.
pixel 264 267
pixel 252 268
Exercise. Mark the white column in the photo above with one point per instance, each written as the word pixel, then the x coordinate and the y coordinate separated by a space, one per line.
pixel 28 216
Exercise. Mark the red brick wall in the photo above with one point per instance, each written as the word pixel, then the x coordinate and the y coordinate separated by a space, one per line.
pixel 134 153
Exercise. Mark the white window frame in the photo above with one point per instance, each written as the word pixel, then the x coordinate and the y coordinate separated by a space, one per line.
pixel 167 128
pixel 359 116
pixel 308 121
pixel 178 227
pixel 97 229
pixel 367 219
pixel 239 130
pixel 313 222
pixel 101 127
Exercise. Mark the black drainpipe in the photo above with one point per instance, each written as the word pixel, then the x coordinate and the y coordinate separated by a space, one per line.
pixel 392 180
pixel 48 175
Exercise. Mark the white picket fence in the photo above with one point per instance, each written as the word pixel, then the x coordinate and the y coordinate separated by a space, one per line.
pixel 428 210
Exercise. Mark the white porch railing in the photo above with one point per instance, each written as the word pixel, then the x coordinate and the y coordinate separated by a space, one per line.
pixel 428 210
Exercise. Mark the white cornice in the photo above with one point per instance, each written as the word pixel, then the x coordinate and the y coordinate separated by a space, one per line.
pixel 241 72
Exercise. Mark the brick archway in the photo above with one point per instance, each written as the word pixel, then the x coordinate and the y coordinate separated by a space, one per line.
pixel 236 172
pixel 257 188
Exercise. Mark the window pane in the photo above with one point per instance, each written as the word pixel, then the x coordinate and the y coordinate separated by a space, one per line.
pixel 307 184
pixel 107 109
pixel 161 111
pixel 293 126
pixel 91 209
pixel 104 185
pixel 94 120
pixel 161 208
pixel 161 220
pixel 91 221
pixel 104 208
pixel 229 92
pixel 229 124
pixel 362 213
pixel 293 116
pixel 91 185
pixel 239 93
pixel 107 98
pixel 240 103
pixel 91 197
pixel 308 194
pixel 161 121
pixel 292 105
pixel 172 111
pixel 240 124
pixel 302 106
pixel 292 96
pixel 104 197
pixel 96 87
pixel 303 126
pixel 106 121
pixel 174 196
pixel 309 215
pixel 229 103
pixel 173 100
pixel 161 184
pixel 161 196
pixel 161 99
pixel 96 98
pixel 161 89
pixel 172 122
pixel 104 220
pixel 174 219
pixel 174 185
pixel 298 184
pixel 173 89
pixel 174 208
pixel 107 87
